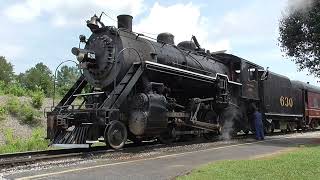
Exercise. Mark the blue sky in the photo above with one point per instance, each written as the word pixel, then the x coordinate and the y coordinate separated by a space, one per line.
pixel 45 30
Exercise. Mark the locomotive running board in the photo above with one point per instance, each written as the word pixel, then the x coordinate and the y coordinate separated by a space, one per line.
pixel 284 115
pixel 185 73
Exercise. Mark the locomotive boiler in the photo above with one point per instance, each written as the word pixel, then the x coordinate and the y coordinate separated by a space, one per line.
pixel 110 52
pixel 138 88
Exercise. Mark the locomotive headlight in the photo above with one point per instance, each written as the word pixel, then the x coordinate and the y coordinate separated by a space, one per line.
pixel 83 54
pixel 80 57
pixel 77 52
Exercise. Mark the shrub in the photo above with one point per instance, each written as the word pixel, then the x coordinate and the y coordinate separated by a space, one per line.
pixel 28 114
pixel 3 113
pixel 16 90
pixel 13 105
pixel 13 89
pixel 23 111
pixel 14 144
pixel 37 98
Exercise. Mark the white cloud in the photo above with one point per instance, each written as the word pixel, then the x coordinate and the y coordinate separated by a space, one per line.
pixel 62 12
pixel 23 12
pixel 181 20
pixel 253 24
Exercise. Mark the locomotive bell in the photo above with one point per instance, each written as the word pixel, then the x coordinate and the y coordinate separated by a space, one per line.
pixel 93 23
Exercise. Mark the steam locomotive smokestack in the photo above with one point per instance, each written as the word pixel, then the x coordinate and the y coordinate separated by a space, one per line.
pixel 125 22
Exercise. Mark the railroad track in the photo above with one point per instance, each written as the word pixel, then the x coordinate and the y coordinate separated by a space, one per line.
pixel 25 158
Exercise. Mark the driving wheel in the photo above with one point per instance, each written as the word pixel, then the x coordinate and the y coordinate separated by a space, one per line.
pixel 269 128
pixel 168 136
pixel 116 134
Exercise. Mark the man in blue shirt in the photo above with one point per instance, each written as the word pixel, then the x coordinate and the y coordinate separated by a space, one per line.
pixel 257 117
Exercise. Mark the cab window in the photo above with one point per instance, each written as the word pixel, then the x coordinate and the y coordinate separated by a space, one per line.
pixel 252 73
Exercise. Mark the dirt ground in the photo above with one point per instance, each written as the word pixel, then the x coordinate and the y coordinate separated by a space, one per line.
pixel 19 129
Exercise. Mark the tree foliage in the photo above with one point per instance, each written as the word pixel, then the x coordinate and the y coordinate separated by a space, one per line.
pixel 6 70
pixel 66 77
pixel 300 36
pixel 37 78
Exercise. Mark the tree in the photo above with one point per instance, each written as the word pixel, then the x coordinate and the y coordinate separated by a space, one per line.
pixel 300 36
pixel 66 77
pixel 6 70
pixel 38 78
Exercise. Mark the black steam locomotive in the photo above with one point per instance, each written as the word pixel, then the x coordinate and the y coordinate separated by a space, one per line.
pixel 139 89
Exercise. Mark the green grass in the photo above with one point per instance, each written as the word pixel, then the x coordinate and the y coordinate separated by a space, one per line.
pixel 14 144
pixel 301 164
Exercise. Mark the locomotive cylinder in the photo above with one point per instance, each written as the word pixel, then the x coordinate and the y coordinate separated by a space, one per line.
pixel 148 114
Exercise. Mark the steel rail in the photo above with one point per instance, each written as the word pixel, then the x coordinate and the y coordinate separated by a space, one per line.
pixel 14 159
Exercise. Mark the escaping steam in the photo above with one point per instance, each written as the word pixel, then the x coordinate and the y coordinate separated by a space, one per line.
pixel 230 115
pixel 227 130
pixel 297 5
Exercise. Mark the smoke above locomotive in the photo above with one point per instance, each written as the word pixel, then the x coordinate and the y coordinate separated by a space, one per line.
pixel 109 52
